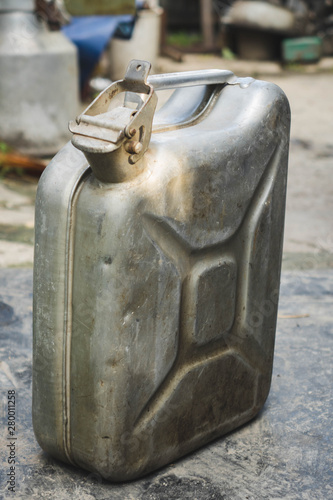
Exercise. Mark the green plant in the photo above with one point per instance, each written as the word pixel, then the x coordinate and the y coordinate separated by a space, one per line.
pixel 4 168
pixel 4 148
pixel 228 54
pixel 184 39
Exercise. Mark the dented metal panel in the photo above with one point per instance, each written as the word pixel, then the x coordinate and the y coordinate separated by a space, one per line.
pixel 156 278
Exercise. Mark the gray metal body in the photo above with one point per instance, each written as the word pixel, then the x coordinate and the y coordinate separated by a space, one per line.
pixel 38 82
pixel 155 297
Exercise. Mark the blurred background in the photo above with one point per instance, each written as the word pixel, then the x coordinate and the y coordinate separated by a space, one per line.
pixel 57 55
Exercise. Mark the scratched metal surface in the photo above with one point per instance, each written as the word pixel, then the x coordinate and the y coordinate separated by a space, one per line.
pixel 286 452
pixel 151 271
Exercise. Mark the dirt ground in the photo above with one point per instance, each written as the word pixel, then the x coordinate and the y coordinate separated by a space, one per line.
pixel 309 223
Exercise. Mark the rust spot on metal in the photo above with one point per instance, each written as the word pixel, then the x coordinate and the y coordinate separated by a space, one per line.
pixel 255 239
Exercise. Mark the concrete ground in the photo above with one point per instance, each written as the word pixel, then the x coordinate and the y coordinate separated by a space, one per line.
pixel 309 228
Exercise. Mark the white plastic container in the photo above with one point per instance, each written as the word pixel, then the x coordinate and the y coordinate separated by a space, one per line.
pixel 144 43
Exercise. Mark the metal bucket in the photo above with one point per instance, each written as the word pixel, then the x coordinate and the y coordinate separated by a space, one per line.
pixel 157 268
pixel 38 82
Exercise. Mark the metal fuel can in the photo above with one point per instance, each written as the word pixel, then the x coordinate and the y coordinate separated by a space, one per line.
pixel 157 266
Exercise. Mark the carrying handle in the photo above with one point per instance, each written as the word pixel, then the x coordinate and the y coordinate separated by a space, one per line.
pixel 191 79
pixel 119 135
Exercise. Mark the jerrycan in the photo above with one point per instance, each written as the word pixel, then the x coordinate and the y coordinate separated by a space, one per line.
pixel 157 266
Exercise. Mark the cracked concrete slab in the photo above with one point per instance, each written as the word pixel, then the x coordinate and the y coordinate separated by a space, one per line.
pixel 22 216
pixel 15 254
pixel 10 198
pixel 17 214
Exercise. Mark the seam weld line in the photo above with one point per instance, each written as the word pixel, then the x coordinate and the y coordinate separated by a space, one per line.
pixel 67 331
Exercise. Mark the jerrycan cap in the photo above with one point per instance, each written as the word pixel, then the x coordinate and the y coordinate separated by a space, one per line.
pixel 121 115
